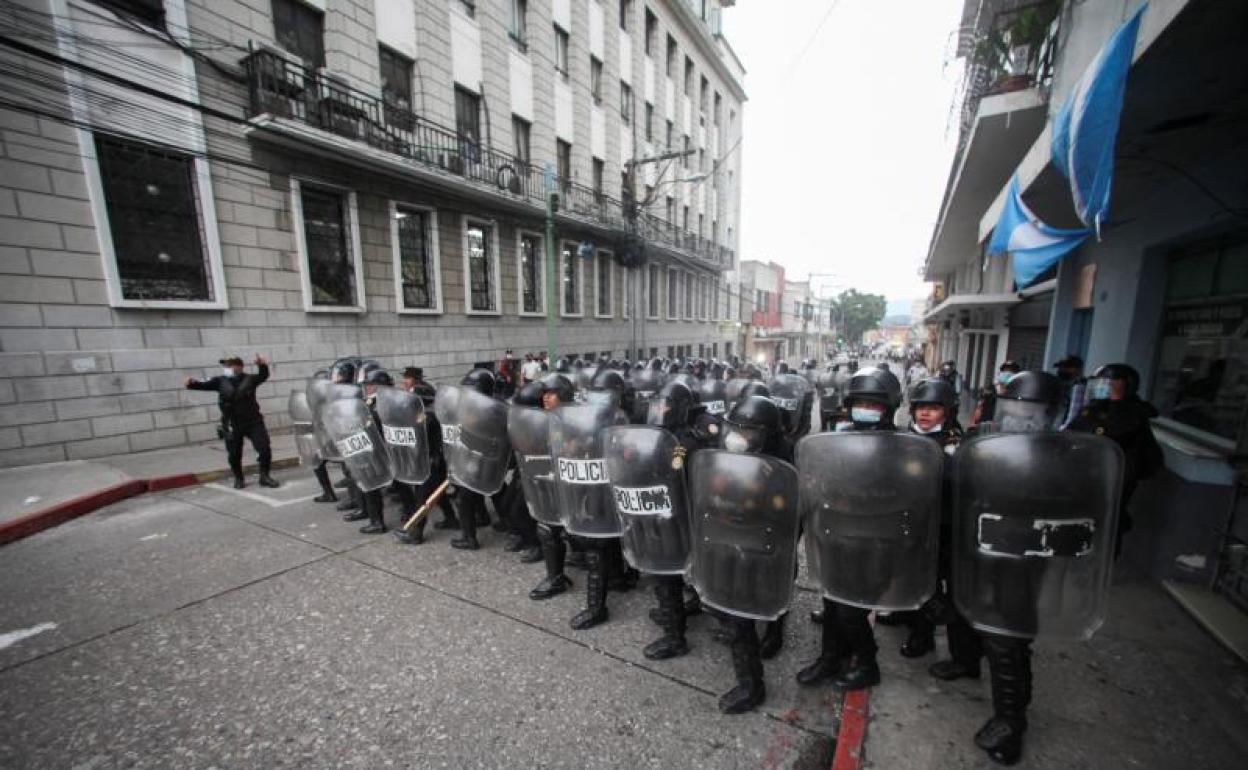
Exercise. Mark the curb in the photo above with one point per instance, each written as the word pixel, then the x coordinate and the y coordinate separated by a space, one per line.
pixel 853 731
pixel 53 516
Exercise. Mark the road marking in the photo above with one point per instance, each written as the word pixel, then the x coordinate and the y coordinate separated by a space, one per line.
pixel 259 498
pixel 157 536
pixel 11 638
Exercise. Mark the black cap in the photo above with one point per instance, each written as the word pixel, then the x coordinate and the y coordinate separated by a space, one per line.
pixel 415 372
pixel 231 361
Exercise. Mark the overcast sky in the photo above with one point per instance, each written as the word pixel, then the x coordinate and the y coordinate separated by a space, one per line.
pixel 846 146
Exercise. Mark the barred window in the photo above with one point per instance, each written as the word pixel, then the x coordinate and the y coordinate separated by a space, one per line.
pixel 652 296
pixel 530 274
pixel 571 280
pixel 331 271
pixel 300 29
pixel 480 258
pixel 561 52
pixel 603 266
pixel 396 78
pixel 673 295
pixel 417 272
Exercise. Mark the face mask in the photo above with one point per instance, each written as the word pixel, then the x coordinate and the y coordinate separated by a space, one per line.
pixel 865 415
pixel 1098 390
pixel 735 442
pixel 228 372
pixel 1004 377
pixel 918 429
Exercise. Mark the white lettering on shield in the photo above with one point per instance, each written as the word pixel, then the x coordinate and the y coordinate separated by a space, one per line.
pixel 787 404
pixel 583 471
pixel 399 435
pixel 714 407
pixel 354 445
pixel 450 434
pixel 644 501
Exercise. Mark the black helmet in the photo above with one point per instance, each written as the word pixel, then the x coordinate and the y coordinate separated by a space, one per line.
pixel 610 385
pixel 753 388
pixel 530 394
pixel 752 425
pixel 876 385
pixel 782 367
pixel 343 370
pixel 1120 372
pixel 578 364
pixel 480 380
pixel 656 364
pixel 933 391
pixel 364 368
pixel 561 386
pixel 670 408
pixel 1038 387
pixel 377 376
pixel 716 371
pixel 562 366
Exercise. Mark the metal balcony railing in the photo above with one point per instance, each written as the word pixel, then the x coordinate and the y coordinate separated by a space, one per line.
pixel 285 89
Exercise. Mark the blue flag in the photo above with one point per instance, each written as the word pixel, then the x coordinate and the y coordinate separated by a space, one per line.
pixel 1036 246
pixel 1085 128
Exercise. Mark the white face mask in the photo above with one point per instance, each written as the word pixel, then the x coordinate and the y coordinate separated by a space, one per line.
pixel 919 429
pixel 735 442
pixel 228 372
pixel 860 414
pixel 1098 389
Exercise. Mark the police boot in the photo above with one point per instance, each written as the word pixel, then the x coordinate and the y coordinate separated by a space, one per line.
pixel 595 611
pixel 922 638
pixel 832 655
pixel 965 651
pixel 773 638
pixel 415 537
pixel 553 550
pixel 352 502
pixel 239 483
pixel 268 481
pixel 865 671
pixel 342 483
pixel 671 612
pixel 748 666
pixel 1009 665
pixel 327 490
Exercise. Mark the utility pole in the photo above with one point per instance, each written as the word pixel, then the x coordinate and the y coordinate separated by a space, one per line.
pixel 552 206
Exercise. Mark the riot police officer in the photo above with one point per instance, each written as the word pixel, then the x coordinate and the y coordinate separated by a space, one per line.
pixel 412 498
pixel 373 502
pixel 240 415
pixel 470 505
pixel 848 651
pixel 556 390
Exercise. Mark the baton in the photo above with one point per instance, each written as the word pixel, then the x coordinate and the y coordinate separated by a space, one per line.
pixel 434 497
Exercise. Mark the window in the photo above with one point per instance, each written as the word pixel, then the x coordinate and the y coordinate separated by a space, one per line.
pixel 595 79
pixel 396 79
pixel 673 294
pixel 571 274
pixel 531 260
pixel 468 121
pixel 701 222
pixel 518 30
pixel 684 222
pixel 717 109
pixel 649 122
pixel 603 265
pixel 626 103
pixel 671 211
pixel 670 129
pixel 701 159
pixel 480 267
pixel 684 159
pixel 468 7
pixel 561 52
pixel 413 235
pixel 671 57
pixel 563 163
pixel 150 12
pixel 652 291
pixel 328 239
pixel 626 13
pixel 520 132
pixel 598 171
pixel 688 76
pixel 157 233
pixel 300 29
pixel 652 31
pixel 627 299
pixel 704 94
pixel 689 295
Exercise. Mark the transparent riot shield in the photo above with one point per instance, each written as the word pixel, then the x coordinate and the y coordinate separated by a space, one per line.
pixel 528 429
pixel 320 394
pixel 582 488
pixel 871 512
pixel 646 466
pixel 1035 516
pixel 301 417
pixel 646 385
pixel 474 436
pixel 744 526
pixel 789 391
pixel 714 396
pixel 732 390
pixel 350 426
pixel 686 379
pixel 402 416
pixel 829 397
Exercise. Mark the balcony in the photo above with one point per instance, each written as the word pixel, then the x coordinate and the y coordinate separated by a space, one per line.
pixel 312 110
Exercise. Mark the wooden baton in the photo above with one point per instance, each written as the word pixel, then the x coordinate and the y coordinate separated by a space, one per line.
pixel 433 498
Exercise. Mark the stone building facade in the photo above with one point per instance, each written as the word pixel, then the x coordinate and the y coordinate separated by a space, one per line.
pixel 307 179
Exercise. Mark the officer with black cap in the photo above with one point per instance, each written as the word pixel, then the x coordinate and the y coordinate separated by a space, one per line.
pixel 413 498
pixel 470 505
pixel 556 390
pixel 374 503
pixel 240 415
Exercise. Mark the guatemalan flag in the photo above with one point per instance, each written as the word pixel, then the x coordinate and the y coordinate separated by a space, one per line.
pixel 1086 126
pixel 1036 246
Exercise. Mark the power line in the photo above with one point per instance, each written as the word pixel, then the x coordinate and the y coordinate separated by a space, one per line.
pixel 813 36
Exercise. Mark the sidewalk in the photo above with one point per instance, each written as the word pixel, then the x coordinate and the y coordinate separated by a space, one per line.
pixel 40 496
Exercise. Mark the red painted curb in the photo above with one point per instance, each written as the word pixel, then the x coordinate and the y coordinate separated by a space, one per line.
pixel 70 509
pixel 176 481
pixel 853 732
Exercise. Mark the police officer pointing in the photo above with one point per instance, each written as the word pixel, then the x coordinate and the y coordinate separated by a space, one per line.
pixel 240 415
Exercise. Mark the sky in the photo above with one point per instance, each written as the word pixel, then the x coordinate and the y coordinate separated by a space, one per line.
pixel 847 139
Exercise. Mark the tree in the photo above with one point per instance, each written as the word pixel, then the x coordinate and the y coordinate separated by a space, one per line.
pixel 855 313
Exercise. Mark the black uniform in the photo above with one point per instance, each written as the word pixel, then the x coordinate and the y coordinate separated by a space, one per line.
pixel 412 497
pixel 241 418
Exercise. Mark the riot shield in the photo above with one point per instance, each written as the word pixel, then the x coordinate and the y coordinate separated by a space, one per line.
pixel 714 396
pixel 528 429
pixel 474 436
pixel 789 391
pixel 871 512
pixel 732 391
pixel 402 416
pixel 349 425
pixel 1035 516
pixel 688 380
pixel 301 417
pixel 320 394
pixel 829 396
pixel 648 483
pixel 582 488
pixel 646 385
pixel 744 526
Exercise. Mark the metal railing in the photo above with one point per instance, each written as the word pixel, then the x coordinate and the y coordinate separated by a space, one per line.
pixel 285 89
